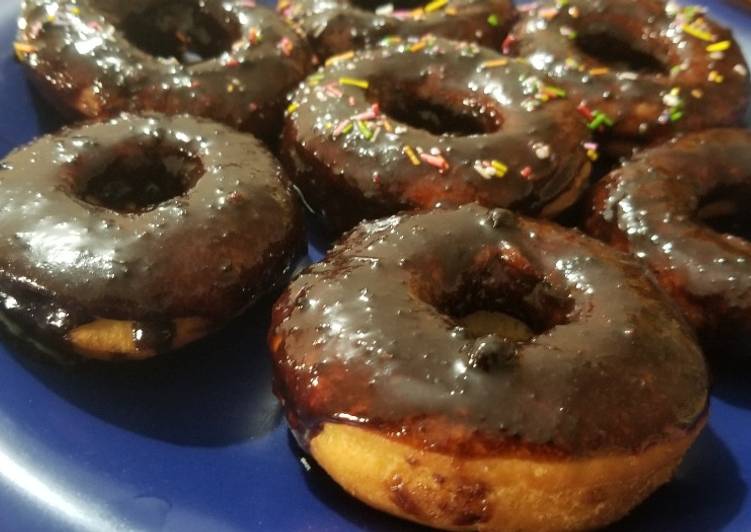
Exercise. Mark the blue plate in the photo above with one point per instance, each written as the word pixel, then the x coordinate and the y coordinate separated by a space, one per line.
pixel 198 442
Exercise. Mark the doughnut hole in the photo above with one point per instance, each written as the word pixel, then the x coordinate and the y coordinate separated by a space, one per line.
pixel 619 54
pixel 422 108
pixel 185 31
pixel 136 178
pixel 501 302
pixel 725 211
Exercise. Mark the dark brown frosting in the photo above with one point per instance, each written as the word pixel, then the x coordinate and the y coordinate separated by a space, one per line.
pixel 209 252
pixel 653 207
pixel 226 60
pixel 335 26
pixel 370 337
pixel 418 122
pixel 653 69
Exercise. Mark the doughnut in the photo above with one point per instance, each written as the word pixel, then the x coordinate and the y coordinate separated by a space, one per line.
pixel 454 427
pixel 417 122
pixel 132 237
pixel 682 208
pixel 640 72
pixel 226 60
pixel 338 26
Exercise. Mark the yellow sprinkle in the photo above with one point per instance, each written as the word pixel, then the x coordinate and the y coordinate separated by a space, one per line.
pixel 435 5
pixel 499 167
pixel 361 83
pixel 601 71
pixel 410 153
pixel 419 45
pixel 417 13
pixel 450 10
pixel 697 93
pixel 494 63
pixel 593 155
pixel 699 33
pixel 339 57
pixel 718 46
pixel 387 126
pixel 716 77
pixel 294 106
pixel 230 87
pixel 22 48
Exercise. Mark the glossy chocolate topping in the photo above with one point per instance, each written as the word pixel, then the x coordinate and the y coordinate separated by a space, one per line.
pixel 335 26
pixel 223 59
pixel 683 208
pixel 370 336
pixel 426 121
pixel 149 219
pixel 641 70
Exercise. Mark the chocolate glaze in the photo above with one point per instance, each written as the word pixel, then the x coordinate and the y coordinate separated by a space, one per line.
pixel 683 86
pixel 207 253
pixel 370 337
pixel 335 26
pixel 79 55
pixel 651 207
pixel 493 111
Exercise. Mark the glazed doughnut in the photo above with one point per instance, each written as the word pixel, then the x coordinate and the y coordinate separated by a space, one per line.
pixel 682 208
pixel 135 236
pixel 640 71
pixel 338 26
pixel 417 122
pixel 222 59
pixel 414 414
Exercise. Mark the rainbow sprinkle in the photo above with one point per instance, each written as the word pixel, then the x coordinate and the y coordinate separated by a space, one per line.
pixel 500 168
pixel 695 30
pixel 410 153
pixel 339 57
pixel 718 46
pixel 436 161
pixel 599 119
pixel 364 130
pixel 435 5
pixel 354 82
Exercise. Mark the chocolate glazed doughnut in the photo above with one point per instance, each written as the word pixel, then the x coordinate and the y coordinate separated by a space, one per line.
pixel 426 121
pixel 336 26
pixel 132 237
pixel 416 415
pixel 641 71
pixel 222 59
pixel 683 208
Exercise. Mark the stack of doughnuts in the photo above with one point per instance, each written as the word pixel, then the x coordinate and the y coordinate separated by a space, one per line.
pixel 458 358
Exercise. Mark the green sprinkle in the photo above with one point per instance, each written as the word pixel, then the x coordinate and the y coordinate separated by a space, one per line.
pixel 347 128
pixel 493 20
pixel 600 119
pixel 364 129
pixel 676 115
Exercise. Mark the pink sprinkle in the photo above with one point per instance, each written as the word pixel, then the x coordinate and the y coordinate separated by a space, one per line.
pixel 232 62
pixel 340 127
pixel 94 25
pixel 286 46
pixel 331 90
pixel 526 8
pixel 247 3
pixel 402 13
pixel 436 161
pixel 508 42
pixel 351 101
pixel 370 114
pixel 526 172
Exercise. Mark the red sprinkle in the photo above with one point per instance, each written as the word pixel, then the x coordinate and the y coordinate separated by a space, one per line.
pixel 585 111
pixel 508 43
pixel 527 172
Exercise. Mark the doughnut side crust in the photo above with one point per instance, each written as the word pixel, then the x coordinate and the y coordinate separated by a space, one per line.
pixel 521 493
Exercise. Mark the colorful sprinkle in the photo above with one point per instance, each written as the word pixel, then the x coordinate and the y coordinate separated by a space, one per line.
pixel 345 126
pixel 294 106
pixel 599 119
pixel 508 43
pixel 436 161
pixel 494 63
pixel 435 5
pixel 410 153
pixel 500 168
pixel 592 150
pixel 22 49
pixel 286 46
pixel 716 77
pixel 254 35
pixel 695 30
pixel 527 172
pixel 354 82
pixel 718 46
pixel 601 71
pixel 339 57
pixel 364 130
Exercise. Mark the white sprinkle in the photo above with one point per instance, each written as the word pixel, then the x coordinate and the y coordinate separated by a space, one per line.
pixel 541 150
pixel 740 69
